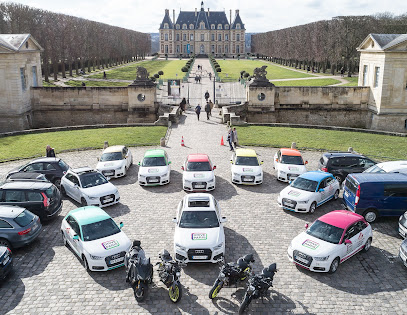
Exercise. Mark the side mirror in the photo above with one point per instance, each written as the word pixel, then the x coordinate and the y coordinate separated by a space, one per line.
pixel 214 167
pixel 306 162
pixel 98 159
pixel 261 162
pixel 223 220
pixel 321 190
pixel 231 161
pixel 290 181
pixel 108 178
pixel 276 160
pixel 182 168
pixel 306 225
pixel 138 163
pixel 348 242
pixel 121 225
pixel 174 220
pixel 169 162
pixel 75 237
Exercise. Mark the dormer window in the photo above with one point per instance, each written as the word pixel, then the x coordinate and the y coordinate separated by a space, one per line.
pixel 26 45
pixel 191 26
pixel 184 26
pixel 238 26
pixel 219 26
pixel 226 26
pixel 166 25
pixel 177 26
pixel 202 25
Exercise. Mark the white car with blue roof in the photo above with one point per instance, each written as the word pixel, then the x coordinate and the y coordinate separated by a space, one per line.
pixel 97 240
pixel 309 191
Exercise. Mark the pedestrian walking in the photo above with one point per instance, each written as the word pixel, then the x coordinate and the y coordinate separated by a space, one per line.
pixel 182 105
pixel 50 152
pixel 199 79
pixel 210 75
pixel 206 96
pixel 229 139
pixel 211 106
pixel 196 79
pixel 235 137
pixel 342 72
pixel 104 75
pixel 198 111
pixel 308 69
pixel 207 110
pixel 199 67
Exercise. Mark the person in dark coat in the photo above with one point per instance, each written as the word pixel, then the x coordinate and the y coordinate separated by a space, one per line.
pixel 207 110
pixel 206 96
pixel 230 139
pixel 182 105
pixel 50 151
pixel 198 111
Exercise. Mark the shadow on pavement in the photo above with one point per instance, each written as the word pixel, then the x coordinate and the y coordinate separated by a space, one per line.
pixel 224 189
pixel 130 178
pixel 269 186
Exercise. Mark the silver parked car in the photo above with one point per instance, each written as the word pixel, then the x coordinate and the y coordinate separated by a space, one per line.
pixel 18 226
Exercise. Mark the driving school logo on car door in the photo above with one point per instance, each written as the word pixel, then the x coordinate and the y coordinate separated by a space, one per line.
pixel 110 244
pixel 310 244
pixel 199 236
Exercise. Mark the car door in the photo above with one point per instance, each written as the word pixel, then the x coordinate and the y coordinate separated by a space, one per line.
pixel 72 229
pixel 330 187
pixel 321 195
pixel 351 234
pixel 394 199
pixel 71 186
pixel 362 235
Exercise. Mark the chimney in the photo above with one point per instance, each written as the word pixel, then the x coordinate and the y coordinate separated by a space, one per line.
pixel 208 12
pixel 237 12
pixel 230 17
pixel 196 12
pixel 173 16
pixel 167 12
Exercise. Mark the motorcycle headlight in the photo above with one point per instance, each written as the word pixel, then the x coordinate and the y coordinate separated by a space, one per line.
pixel 321 258
pixel 219 246
pixel 222 275
pixel 178 274
pixel 95 257
pixel 251 288
pixel 180 247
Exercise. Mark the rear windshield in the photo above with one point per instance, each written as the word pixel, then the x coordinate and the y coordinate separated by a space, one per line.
pixel 24 218
pixel 50 192
pixel 351 185
pixel 289 159
pixel 199 166
pixel 63 165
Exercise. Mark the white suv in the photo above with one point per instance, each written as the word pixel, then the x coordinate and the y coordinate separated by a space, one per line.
pixel 199 234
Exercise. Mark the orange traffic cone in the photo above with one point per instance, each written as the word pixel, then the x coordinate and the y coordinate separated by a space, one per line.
pixel 221 141
pixel 182 142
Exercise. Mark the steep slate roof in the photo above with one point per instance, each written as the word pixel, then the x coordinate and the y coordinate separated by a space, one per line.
pixel 215 17
pixel 167 20
pixel 385 41
pixel 14 42
pixel 186 17
pixel 236 21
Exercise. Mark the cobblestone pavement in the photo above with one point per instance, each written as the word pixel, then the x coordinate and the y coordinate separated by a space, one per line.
pixel 49 278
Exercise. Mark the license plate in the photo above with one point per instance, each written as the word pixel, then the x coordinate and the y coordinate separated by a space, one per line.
pixel 199 257
pixel 6 260
pixel 109 173
pixel 247 180
pixel 199 186
pixel 154 180
pixel 108 199
pixel 301 260
pixel 114 261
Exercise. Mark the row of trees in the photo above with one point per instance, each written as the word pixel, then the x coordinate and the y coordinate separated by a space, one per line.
pixel 73 43
pixel 325 44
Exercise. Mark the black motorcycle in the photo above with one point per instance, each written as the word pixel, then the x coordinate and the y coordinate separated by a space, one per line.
pixel 169 272
pixel 139 271
pixel 258 286
pixel 232 274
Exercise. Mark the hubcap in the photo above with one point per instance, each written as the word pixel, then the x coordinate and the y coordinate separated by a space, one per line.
pixel 367 245
pixel 312 209
pixel 335 265
pixel 336 194
pixel 370 216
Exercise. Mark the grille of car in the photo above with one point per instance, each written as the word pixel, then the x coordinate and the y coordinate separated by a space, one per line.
pixel 289 203
pixel 247 179
pixel 153 179
pixel 104 199
pixel 108 259
pixel 194 184
pixel 200 252
pixel 297 255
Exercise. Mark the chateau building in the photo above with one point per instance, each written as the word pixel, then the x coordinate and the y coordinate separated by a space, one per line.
pixel 202 33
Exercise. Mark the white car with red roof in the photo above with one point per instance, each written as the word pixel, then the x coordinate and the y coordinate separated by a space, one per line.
pixel 198 173
pixel 330 240
pixel 289 164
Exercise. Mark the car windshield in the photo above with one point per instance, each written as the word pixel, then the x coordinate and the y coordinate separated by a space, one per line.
pixel 305 184
pixel 290 159
pixel 374 169
pixel 24 218
pixel 92 179
pixel 63 165
pixel 101 229
pixel 112 156
pixel 325 232
pixel 153 161
pixel 198 220
pixel 198 166
pixel 247 160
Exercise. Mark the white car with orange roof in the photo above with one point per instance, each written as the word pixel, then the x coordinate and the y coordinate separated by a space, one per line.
pixel 289 164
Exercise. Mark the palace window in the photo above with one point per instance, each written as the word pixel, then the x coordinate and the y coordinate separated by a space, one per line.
pixel 376 76
pixel 202 26
pixel 226 26
pixel 184 26
pixel 177 26
pixel 166 26
pixel 162 36
pixel 212 26
pixel 219 37
pixel 226 36
pixel 170 36
pixel 237 49
pixel 238 26
pixel 212 37
pixel 219 49
pixel 365 75
pixel 177 37
pixel 166 36
pixel 23 79
pixel 185 49
pixel 191 48
pixel 177 48
pixel 166 49
pixel 170 48
pixel 191 37
pixel 213 49
pixel 202 37
pixel 226 49
pixel 219 26
pixel 238 37
pixel 191 26
pixel 184 37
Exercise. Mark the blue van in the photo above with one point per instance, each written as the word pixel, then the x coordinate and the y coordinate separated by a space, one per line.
pixel 375 194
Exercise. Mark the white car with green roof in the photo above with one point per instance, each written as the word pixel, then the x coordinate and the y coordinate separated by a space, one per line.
pixel 95 238
pixel 155 168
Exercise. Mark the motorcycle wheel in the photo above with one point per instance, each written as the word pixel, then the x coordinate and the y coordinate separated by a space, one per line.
pixel 245 303
pixel 140 292
pixel 175 293
pixel 217 286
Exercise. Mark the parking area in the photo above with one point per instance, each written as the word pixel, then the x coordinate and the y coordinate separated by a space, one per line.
pixel 48 277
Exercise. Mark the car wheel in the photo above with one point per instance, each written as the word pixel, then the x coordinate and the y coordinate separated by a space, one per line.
pixel 83 202
pixel 336 195
pixel 85 262
pixel 312 207
pixel 63 191
pixel 334 265
pixel 57 182
pixel 5 243
pixel 370 215
pixel 339 178
pixel 368 244
pixel 64 239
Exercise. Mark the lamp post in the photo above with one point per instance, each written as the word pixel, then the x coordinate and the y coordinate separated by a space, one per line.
pixel 214 89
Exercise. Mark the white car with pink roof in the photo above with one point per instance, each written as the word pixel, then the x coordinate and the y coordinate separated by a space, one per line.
pixel 330 240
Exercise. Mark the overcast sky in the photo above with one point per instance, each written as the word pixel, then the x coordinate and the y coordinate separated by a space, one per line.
pixel 258 15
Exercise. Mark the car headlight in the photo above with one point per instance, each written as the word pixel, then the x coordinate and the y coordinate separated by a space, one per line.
pixel 303 202
pixel 187 181
pixel 211 181
pixel 92 198
pixel 282 173
pixel 119 168
pixel 321 258
pixel 219 246
pixel 142 176
pixel 236 174
pixel 180 247
pixel 164 175
pixel 116 192
pixel 95 257
pixel 258 174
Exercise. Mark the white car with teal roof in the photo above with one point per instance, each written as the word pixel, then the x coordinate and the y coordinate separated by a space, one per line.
pixel 97 240
pixel 155 168
pixel 309 191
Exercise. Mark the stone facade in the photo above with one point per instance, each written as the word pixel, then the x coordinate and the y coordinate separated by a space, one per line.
pixel 202 32
pixel 20 69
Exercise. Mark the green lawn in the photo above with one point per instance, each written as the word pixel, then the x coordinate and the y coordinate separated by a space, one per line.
pixel 96 83
pixel 48 84
pixel 26 146
pixel 353 81
pixel 169 67
pixel 386 147
pixel 233 67
pixel 313 82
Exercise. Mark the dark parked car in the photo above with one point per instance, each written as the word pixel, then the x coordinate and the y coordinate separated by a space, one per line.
pixel 6 262
pixel 340 164
pixel 27 176
pixel 53 168
pixel 41 198
pixel 18 226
